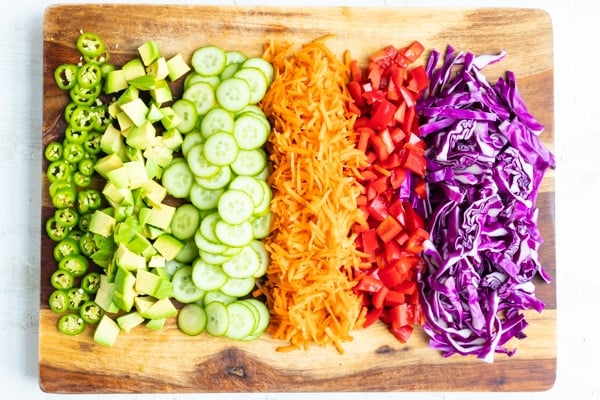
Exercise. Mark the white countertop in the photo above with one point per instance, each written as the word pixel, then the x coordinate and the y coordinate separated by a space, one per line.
pixel 577 148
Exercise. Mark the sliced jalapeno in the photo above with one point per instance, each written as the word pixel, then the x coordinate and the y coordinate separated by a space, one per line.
pixel 90 282
pixel 71 324
pixel 90 45
pixel 58 169
pixel 74 263
pixel 87 244
pixel 86 166
pixel 92 143
pixel 84 221
pixel 73 152
pixel 75 234
pixel 84 96
pixel 74 135
pixel 65 247
pixel 62 279
pixel 64 197
pixel 55 231
pixel 69 110
pixel 66 217
pixel 53 151
pixel 58 301
pixel 81 180
pixel 101 118
pixel 89 74
pixel 91 312
pixel 76 297
pixel 65 76
pixel 82 118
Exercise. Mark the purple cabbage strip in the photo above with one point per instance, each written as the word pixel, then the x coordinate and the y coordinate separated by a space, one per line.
pixel 485 163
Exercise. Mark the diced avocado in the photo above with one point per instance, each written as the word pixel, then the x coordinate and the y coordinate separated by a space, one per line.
pixel 159 153
pixel 172 138
pixel 137 174
pixel 154 113
pixel 129 321
pixel 154 192
pixel 165 287
pixel 134 68
pixel 168 246
pixel 152 232
pixel 104 295
pixel 115 81
pixel 126 231
pixel 139 245
pixel 157 262
pixel 125 123
pixel 136 110
pixel 162 92
pixel 156 324
pixel 142 136
pixel 128 95
pixel 128 260
pixel 111 140
pixel 177 67
pixel 158 68
pixel 107 163
pixel 107 331
pixel 149 52
pixel 102 223
pixel 119 177
pixel 161 216
pixel 124 294
pixel 146 282
pixel 170 118
pixel 143 303
pixel 162 308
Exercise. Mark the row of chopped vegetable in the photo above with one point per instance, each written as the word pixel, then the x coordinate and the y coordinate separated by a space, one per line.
pixel 393 192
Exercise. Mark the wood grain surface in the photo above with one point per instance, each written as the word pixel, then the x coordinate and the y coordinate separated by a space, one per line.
pixel 169 361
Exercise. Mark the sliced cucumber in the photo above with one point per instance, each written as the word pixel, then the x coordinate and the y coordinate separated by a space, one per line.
pixel 190 140
pixel 251 131
pixel 221 148
pixel 238 287
pixel 184 288
pixel 265 205
pixel 204 244
pixel 199 165
pixel 250 186
pixel 234 235
pixel 218 181
pixel 217 295
pixel 256 80
pixel 211 258
pixel 208 276
pixel 261 225
pixel 202 94
pixel 235 57
pixel 262 64
pixel 244 264
pixel 264 258
pixel 195 77
pixel 192 319
pixel 217 318
pixel 242 320
pixel 177 179
pixel 233 94
pixel 185 222
pixel 203 198
pixel 186 110
pixel 209 60
pixel 249 162
pixel 208 226
pixel 216 120
pixel 263 312
pixel 235 206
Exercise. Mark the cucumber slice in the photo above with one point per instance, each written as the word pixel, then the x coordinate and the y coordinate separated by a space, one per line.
pixel 229 71
pixel 177 179
pixel 264 258
pixel 185 222
pixel 195 77
pixel 234 235
pixel 187 112
pixel 208 276
pixel 216 120
pixel 199 165
pixel 190 140
pixel 211 258
pixel 203 198
pixel 235 206
pixel 217 295
pixel 249 162
pixel 192 319
pixel 184 288
pixel 265 204
pixel 221 148
pixel 241 321
pixel 262 64
pixel 256 80
pixel 204 244
pixel 238 287
pixel 233 94
pixel 263 312
pixel 251 131
pixel 208 226
pixel 189 252
pixel 242 265
pixel 218 181
pixel 235 57
pixel 217 318
pixel 209 60
pixel 261 225
pixel 249 185
pixel 202 94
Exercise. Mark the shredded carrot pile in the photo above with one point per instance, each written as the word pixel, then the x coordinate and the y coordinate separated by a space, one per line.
pixel 314 178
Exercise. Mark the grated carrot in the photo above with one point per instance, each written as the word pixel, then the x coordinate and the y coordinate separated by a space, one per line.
pixel 315 166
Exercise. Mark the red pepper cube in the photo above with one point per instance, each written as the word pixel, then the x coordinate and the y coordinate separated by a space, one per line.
pixel 388 229
pixel 370 242
pixel 393 299
pixel 400 316
pixel 403 333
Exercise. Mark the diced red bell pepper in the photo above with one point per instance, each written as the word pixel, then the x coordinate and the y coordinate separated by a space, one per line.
pixel 370 284
pixel 388 229
pixel 372 316
pixel 370 242
pixel 403 333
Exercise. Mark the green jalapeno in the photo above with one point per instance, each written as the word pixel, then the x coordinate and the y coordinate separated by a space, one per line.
pixel 90 45
pixel 101 118
pixel 69 110
pixel 74 263
pixel 75 234
pixel 87 244
pixel 71 324
pixel 55 231
pixel 91 282
pixel 64 197
pixel 62 279
pixel 86 166
pixel 81 180
pixel 73 152
pixel 65 76
pixel 59 184
pixel 58 301
pixel 84 96
pixel 84 221
pixel 76 297
pixel 91 312
pixel 74 135
pixel 66 246
pixel 92 143
pixel 82 118
pixel 53 151
pixel 66 217
pixel 89 74
pixel 58 169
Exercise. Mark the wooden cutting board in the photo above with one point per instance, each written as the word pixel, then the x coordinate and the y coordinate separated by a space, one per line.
pixel 169 361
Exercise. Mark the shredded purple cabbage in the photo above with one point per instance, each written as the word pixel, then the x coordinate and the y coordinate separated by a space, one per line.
pixel 485 165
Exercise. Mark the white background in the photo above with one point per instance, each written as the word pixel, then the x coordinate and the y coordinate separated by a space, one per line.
pixel 577 150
